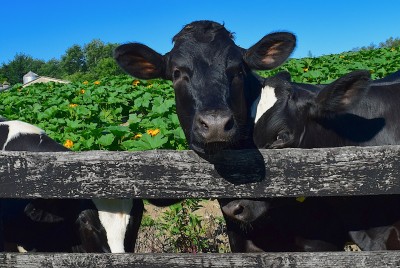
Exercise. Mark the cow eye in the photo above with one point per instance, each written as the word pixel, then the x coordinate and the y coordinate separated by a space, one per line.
pixel 283 136
pixel 176 74
pixel 239 74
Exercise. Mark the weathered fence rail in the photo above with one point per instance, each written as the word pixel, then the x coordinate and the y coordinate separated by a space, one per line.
pixel 183 174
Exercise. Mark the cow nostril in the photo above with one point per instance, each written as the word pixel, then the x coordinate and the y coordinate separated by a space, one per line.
pixel 203 124
pixel 238 210
pixel 229 124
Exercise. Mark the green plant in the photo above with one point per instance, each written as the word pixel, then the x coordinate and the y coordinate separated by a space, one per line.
pixel 184 230
pixel 325 69
pixel 117 113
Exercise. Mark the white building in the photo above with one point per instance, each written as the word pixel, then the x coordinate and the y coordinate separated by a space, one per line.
pixel 32 78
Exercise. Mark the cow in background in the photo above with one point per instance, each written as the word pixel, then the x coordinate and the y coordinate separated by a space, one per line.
pixel 349 111
pixel 64 225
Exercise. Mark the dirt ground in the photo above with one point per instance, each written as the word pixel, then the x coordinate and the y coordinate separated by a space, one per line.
pixel 148 241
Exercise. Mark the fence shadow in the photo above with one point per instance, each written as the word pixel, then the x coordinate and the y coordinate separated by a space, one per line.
pixel 239 166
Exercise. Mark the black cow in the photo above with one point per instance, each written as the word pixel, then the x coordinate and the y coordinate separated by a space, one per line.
pixel 212 77
pixel 214 85
pixel 64 225
pixel 346 112
pixel 284 224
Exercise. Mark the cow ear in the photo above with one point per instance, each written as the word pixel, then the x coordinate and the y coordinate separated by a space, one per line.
pixel 343 93
pixel 284 75
pixel 38 214
pixel 271 51
pixel 140 61
pixel 281 85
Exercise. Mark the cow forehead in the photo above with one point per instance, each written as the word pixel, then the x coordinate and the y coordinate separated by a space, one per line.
pixel 265 101
pixel 214 54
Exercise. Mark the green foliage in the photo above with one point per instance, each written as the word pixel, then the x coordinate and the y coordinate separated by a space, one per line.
pixel 90 62
pixel 109 114
pixel 16 69
pixel 73 60
pixel 325 69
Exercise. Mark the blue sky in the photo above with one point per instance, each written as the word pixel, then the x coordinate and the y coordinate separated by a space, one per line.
pixel 45 29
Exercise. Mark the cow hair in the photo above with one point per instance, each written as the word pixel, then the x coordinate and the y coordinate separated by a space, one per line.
pixel 203 31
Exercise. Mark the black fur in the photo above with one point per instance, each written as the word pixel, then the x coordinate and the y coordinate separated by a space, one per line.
pixel 212 77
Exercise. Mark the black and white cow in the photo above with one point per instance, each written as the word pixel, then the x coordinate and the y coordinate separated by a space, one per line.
pixel 214 85
pixel 350 111
pixel 64 225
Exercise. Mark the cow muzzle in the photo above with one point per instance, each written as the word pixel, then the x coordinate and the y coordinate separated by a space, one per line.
pixel 213 131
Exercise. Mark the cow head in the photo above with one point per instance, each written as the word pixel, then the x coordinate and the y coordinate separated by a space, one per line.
pixel 298 109
pixel 212 78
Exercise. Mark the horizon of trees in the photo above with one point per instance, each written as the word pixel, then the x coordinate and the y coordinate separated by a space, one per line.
pixel 390 42
pixel 88 62
pixel 91 61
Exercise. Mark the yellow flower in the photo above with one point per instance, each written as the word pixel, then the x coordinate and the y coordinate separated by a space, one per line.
pixel 392 49
pixel 341 56
pixel 305 70
pixel 301 199
pixel 153 132
pixel 149 86
pixel 85 82
pixel 82 91
pixel 97 82
pixel 73 105
pixel 135 83
pixel 137 136
pixel 68 143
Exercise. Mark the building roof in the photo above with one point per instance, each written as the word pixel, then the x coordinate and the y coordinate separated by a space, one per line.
pixel 45 79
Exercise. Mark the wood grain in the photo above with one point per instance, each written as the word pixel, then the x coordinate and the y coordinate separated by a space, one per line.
pixel 292 260
pixel 183 174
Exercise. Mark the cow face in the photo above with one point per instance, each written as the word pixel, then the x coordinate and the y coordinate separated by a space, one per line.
pixel 298 112
pixel 212 78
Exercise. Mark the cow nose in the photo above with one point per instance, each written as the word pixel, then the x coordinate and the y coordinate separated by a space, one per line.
pixel 234 210
pixel 237 210
pixel 215 127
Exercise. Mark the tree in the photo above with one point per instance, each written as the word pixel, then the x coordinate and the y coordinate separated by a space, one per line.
pixel 19 66
pixel 106 67
pixel 95 51
pixel 390 42
pixel 52 68
pixel 73 60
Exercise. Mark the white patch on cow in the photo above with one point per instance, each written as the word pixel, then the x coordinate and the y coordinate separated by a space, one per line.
pixel 114 215
pixel 21 249
pixel 302 136
pixel 16 128
pixel 266 100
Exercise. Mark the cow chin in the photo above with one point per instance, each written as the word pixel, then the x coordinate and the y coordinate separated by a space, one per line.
pixel 209 148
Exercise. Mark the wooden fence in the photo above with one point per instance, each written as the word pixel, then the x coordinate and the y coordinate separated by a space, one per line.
pixel 183 174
